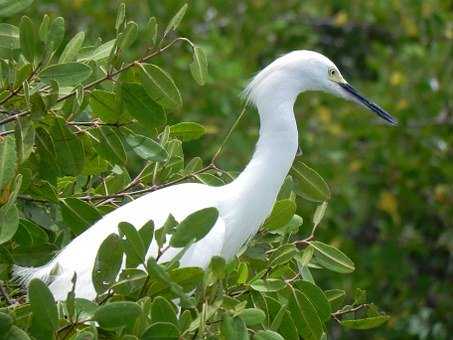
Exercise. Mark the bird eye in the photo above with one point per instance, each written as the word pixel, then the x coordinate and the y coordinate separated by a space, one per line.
pixel 332 72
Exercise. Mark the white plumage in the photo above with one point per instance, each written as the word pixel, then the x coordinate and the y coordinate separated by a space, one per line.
pixel 243 204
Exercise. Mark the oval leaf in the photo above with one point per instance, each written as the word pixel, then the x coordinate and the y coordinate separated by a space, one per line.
pixel 45 313
pixel 72 49
pixel 70 74
pixel 281 214
pixel 11 7
pixel 115 315
pixel 308 183
pixel 107 264
pixel 331 258
pixel 199 66
pixel 252 316
pixel 9 36
pixel 160 86
pixel 7 160
pixel 269 285
pixel 194 227
pixel 141 106
pixel 367 323
pixel 267 335
pixel 146 148
pixel 187 131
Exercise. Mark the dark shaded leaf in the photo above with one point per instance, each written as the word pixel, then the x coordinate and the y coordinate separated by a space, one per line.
pixel 116 315
pixel 45 313
pixel 194 227
pixel 107 264
pixel 366 323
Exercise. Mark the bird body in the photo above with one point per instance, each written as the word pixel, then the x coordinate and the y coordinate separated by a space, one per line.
pixel 243 204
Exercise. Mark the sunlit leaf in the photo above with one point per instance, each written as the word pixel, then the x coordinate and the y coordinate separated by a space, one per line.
pixel 11 7
pixel 187 131
pixel 332 258
pixel 160 86
pixel 70 74
pixel 72 49
pixel 9 36
pixel 366 323
pixel 199 65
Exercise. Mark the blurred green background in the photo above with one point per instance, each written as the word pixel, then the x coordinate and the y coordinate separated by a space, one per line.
pixel 392 206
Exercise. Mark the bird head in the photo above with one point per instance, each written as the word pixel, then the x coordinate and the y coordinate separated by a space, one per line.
pixel 304 70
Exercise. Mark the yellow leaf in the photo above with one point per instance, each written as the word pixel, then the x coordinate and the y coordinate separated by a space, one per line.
pixel 389 204
pixel 341 18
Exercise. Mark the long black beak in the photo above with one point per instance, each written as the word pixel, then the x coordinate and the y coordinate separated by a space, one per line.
pixel 370 105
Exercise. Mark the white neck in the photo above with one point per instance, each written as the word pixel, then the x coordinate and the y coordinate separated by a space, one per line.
pixel 253 193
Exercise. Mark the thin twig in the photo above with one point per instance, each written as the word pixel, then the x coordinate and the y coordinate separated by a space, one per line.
pixel 147 190
pixel 340 312
pixel 227 137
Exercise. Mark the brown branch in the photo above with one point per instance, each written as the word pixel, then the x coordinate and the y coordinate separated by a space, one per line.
pixel 94 83
pixel 19 88
pixel 147 190
pixel 340 312
pixel 5 294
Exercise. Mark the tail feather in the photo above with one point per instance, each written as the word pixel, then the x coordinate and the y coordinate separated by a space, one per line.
pixel 45 273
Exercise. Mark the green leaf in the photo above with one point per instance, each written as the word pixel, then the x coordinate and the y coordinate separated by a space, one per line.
pixel 319 213
pixel 331 258
pixel 78 215
pixel 120 16
pixel 56 32
pixel 288 328
pixel 305 315
pixel 45 313
pixel 68 148
pixel 334 294
pixel 127 38
pixel 72 49
pixel 7 160
pixel 9 36
pixel 107 264
pixel 25 139
pixel 252 316
pixel 160 86
pixel 6 323
pixel 146 148
pixel 163 311
pixel 366 323
pixel 27 39
pixel 146 233
pixel 44 28
pixel 316 297
pixel 283 254
pixel 160 331
pixel 10 7
pixel 267 335
pixel 109 145
pixel 187 131
pixel 141 106
pixel 104 105
pixel 268 285
pixel 176 20
pixel 115 315
pixel 70 74
pixel 152 29
pixel 9 222
pixel 134 246
pixel 234 328
pixel 102 52
pixel 199 66
pixel 281 214
pixel 15 333
pixel 308 184
pixel 194 227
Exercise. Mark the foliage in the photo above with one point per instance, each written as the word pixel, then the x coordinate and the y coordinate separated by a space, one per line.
pixel 89 124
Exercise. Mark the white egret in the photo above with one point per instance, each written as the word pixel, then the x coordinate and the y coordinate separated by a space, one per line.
pixel 243 204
